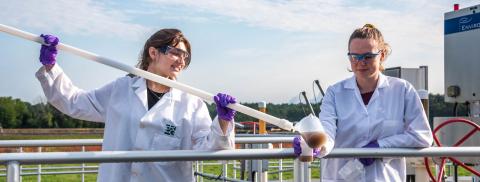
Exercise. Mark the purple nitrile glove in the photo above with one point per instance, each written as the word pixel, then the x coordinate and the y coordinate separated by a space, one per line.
pixel 297 148
pixel 369 161
pixel 48 52
pixel 222 100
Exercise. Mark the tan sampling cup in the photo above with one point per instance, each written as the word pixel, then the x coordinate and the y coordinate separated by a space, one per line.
pixel 313 136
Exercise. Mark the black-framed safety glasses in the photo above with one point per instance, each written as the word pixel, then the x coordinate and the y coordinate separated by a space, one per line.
pixel 173 51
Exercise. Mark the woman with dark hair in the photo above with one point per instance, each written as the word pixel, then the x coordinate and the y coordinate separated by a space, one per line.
pixel 140 114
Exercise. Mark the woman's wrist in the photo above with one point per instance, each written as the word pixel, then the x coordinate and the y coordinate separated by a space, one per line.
pixel 48 67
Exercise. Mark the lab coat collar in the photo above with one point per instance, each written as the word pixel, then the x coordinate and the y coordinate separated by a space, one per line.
pixel 382 81
pixel 140 88
pixel 351 83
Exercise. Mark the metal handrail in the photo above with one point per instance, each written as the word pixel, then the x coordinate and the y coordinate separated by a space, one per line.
pixel 51 143
pixel 191 155
pixel 98 142
pixel 14 160
pixel 243 139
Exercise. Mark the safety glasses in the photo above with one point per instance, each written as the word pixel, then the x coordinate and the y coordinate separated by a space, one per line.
pixel 362 57
pixel 174 52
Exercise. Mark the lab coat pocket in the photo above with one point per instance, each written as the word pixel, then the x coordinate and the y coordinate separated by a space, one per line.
pixel 162 142
pixel 391 127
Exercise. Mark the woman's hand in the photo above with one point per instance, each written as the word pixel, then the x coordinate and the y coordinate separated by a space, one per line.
pixel 225 114
pixel 297 147
pixel 48 52
pixel 369 161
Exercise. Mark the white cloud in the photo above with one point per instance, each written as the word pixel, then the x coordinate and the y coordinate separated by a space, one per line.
pixel 403 19
pixel 414 28
pixel 80 17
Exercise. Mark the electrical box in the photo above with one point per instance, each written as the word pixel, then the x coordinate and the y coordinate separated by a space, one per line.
pixel 418 77
pixel 462 55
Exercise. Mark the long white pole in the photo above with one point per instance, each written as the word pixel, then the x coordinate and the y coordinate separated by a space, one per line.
pixel 282 123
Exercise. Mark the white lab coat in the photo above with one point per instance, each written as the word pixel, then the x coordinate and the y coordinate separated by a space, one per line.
pixel 394 117
pixel 179 121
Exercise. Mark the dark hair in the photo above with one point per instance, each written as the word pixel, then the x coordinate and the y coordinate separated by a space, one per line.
pixel 368 31
pixel 163 37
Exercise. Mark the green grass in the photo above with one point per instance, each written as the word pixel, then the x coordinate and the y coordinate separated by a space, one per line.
pixel 461 171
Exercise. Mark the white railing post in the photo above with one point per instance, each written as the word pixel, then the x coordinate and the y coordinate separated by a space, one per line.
pixel 201 170
pixel 20 174
pixel 477 178
pixel 39 168
pixel 265 165
pixel 297 171
pixel 225 169
pixel 320 169
pixel 13 171
pixel 306 172
pixel 234 169
pixel 83 166
pixel 280 165
pixel 196 171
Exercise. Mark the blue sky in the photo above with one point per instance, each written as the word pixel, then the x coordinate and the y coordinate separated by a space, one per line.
pixel 262 50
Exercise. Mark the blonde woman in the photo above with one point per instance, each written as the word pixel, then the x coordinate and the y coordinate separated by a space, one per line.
pixel 370 110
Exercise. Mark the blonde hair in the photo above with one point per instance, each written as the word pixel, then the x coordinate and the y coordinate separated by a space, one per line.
pixel 369 31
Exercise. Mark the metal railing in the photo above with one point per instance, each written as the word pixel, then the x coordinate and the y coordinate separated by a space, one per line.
pixel 98 142
pixel 14 160
pixel 243 139
pixel 58 157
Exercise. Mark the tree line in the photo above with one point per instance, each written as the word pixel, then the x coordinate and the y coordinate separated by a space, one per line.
pixel 15 113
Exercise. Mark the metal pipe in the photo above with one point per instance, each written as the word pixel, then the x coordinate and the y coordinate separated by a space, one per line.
pixel 50 143
pixel 83 165
pixel 269 135
pixel 405 152
pixel 97 142
pixel 39 168
pixel 21 151
pixel 56 173
pixel 307 102
pixel 259 140
pixel 191 155
pixel 280 165
pixel 201 170
pixel 225 169
pixel 56 168
pixel 298 171
pixel 196 169
pixel 234 171
pixel 13 171
pixel 282 123
pixel 319 87
pixel 306 172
